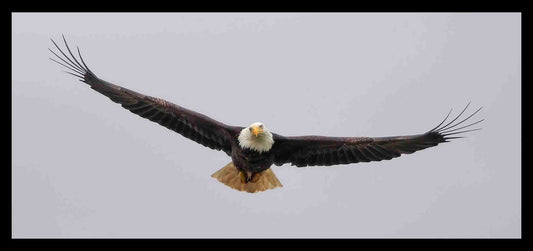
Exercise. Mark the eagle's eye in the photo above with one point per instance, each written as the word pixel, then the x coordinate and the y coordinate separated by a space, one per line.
pixel 261 126
pixel 251 129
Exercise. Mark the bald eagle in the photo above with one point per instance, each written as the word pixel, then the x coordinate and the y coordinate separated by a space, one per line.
pixel 254 149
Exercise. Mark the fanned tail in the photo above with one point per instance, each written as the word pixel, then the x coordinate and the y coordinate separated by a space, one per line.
pixel 230 176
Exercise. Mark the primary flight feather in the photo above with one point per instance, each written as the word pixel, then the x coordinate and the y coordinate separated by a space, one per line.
pixel 254 149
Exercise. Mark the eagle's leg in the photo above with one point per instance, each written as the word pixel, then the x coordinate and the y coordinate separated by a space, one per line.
pixel 247 176
pixel 242 176
pixel 255 177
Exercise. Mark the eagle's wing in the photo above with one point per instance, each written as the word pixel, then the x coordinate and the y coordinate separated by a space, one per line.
pixel 325 151
pixel 193 125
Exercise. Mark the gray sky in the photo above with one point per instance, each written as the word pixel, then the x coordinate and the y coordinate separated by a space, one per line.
pixel 85 167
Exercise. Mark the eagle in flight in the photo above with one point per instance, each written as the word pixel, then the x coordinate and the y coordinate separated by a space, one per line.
pixel 254 149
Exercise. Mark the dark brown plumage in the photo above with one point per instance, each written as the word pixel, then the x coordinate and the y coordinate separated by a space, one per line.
pixel 246 172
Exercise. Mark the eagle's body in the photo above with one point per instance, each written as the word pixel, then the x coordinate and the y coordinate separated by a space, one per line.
pixel 246 160
pixel 254 149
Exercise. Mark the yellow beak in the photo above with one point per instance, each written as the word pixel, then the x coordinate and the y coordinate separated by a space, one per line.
pixel 256 130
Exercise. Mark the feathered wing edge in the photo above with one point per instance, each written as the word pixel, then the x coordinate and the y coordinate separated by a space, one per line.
pixel 326 151
pixel 190 124
pixel 449 128
pixel 77 69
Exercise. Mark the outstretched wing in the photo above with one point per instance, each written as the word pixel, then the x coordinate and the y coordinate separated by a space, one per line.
pixel 325 151
pixel 193 125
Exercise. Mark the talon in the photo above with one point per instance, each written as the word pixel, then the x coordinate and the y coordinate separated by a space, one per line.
pixel 255 177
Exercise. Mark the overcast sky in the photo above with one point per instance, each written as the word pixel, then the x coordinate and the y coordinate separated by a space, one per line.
pixel 82 166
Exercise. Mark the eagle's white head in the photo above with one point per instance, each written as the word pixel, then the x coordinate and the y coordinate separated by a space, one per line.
pixel 256 137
